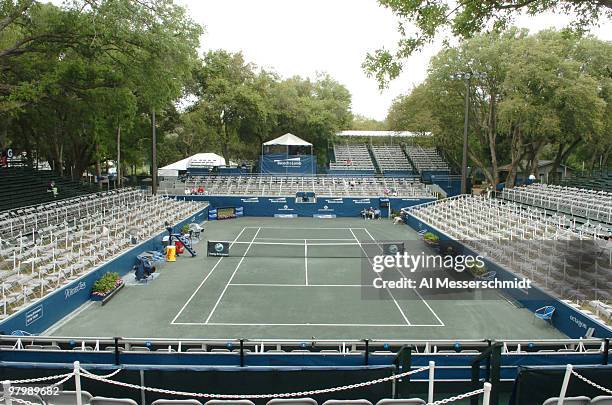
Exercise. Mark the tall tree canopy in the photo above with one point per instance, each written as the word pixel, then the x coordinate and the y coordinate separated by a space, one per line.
pixel 74 76
pixel 464 19
pixel 552 104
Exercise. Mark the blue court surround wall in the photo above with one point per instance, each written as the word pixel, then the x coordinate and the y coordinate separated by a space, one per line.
pixel 340 207
pixel 566 318
pixel 42 314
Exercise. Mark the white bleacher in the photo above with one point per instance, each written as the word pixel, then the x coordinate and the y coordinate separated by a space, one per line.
pixel 288 186
pixel 391 158
pixel 351 157
pixel 527 241
pixel 591 204
pixel 48 246
pixel 426 159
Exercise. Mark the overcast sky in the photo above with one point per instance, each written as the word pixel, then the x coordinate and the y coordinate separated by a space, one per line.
pixel 304 37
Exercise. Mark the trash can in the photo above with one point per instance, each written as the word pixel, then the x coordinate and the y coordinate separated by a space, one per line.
pixel 180 249
pixel 171 253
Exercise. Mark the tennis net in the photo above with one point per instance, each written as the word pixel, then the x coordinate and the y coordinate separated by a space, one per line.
pixel 313 249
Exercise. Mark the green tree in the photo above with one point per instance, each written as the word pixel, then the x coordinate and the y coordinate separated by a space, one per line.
pixel 465 19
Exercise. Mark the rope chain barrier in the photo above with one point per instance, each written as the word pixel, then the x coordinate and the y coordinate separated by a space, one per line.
pixel 457 397
pixel 87 374
pixel 106 379
pixel 594 384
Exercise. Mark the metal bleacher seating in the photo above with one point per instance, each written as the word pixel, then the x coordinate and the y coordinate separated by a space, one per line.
pixel 46 246
pixel 23 186
pixel 324 186
pixel 352 157
pixel 528 242
pixel 426 159
pixel 590 204
pixel 391 158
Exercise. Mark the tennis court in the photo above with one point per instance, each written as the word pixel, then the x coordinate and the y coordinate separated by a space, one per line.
pixel 291 278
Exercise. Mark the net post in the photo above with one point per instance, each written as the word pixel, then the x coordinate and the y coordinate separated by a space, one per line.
pixel 495 375
pixel 367 352
pixel 486 397
pixel 6 386
pixel 566 378
pixel 77 383
pixel 606 352
pixel 430 387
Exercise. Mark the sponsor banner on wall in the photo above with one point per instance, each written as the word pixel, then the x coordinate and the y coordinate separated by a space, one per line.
pixel 288 164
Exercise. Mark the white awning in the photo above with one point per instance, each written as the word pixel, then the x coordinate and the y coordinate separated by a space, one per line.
pixel 288 140
pixel 197 160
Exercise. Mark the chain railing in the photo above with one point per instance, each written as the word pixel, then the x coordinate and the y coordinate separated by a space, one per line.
pixel 79 372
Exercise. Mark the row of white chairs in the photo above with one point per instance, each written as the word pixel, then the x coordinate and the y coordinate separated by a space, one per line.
pixel 590 204
pixel 290 185
pixel 529 242
pixel 35 263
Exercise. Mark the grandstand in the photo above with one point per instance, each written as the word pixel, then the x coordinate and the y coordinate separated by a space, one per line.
pixel 547 249
pixel 324 186
pixel 587 204
pixel 426 159
pixel 23 186
pixel 45 247
pixel 351 157
pixel 391 158
pixel 600 181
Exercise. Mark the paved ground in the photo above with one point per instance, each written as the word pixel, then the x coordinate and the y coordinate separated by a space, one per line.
pixel 283 284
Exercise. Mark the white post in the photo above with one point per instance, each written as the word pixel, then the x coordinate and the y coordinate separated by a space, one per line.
pixel 6 386
pixel 486 396
pixel 77 383
pixel 430 392
pixel 566 378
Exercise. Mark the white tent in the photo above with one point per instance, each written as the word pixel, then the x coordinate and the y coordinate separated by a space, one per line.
pixel 288 140
pixel 197 160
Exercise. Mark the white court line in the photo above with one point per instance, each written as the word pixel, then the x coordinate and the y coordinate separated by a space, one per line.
pixel 415 290
pixel 286 227
pixel 232 277
pixel 401 325
pixel 306 259
pixel 386 288
pixel 173 322
pixel 303 238
pixel 295 285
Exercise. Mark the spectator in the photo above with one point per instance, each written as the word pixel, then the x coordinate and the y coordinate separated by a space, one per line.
pixel 201 190
pixel 377 213
pixel 187 191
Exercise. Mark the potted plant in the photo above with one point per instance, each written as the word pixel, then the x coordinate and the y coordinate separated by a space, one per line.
pixel 185 229
pixel 431 239
pixel 106 286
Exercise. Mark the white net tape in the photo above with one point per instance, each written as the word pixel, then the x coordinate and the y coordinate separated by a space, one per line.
pixel 586 380
pixel 256 396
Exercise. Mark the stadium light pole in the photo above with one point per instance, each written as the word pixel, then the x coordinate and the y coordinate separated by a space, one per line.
pixel 153 154
pixel 466 77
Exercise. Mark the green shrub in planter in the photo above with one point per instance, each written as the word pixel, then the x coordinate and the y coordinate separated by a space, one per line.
pixel 185 229
pixel 105 284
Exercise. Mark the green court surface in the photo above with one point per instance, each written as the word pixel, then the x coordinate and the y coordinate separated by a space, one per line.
pixel 286 284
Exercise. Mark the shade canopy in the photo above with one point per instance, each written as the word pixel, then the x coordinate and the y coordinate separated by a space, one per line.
pixel 197 160
pixel 288 140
